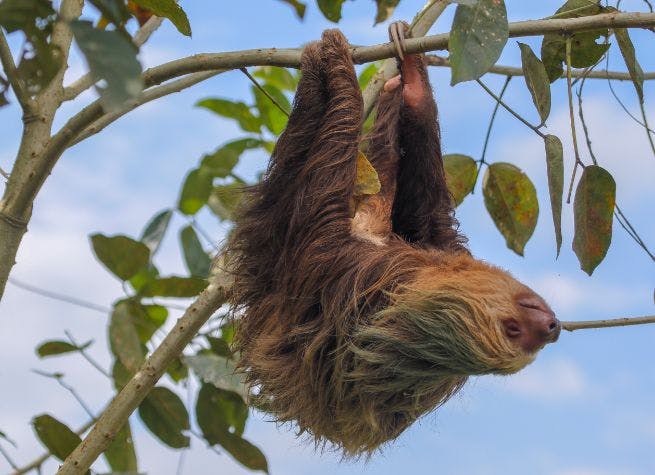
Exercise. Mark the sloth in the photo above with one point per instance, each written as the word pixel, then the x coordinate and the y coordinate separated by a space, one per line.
pixel 357 315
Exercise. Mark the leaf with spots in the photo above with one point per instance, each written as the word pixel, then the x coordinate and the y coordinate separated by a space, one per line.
pixel 367 181
pixel 536 78
pixel 634 68
pixel 461 173
pixel 593 208
pixel 555 170
pixel 477 38
pixel 511 200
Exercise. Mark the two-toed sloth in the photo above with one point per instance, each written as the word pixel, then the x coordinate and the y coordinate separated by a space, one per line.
pixel 355 322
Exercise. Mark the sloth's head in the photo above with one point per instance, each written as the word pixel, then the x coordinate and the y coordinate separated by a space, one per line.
pixel 457 320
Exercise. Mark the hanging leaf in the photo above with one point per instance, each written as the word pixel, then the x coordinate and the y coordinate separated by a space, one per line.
pixel 585 51
pixel 628 51
pixel 225 199
pixel 56 347
pixel 278 77
pixel 177 370
pixel 233 110
pixel 120 454
pixel 511 200
pixel 111 57
pixel 112 11
pixel 461 173
pixel 299 7
pixel 195 191
pixel 145 275
pixel 122 256
pixel 270 114
pixel 56 436
pixel 155 230
pixel 555 169
pixel 367 74
pixel 147 319
pixel 180 287
pixel 593 207
pixel 331 9
pixel 367 181
pixel 243 451
pixel 164 414
pixel 477 38
pixel 219 411
pixel 220 163
pixel 219 346
pixel 197 260
pixel 124 338
pixel 385 9
pixel 168 9
pixel 120 375
pixel 537 81
pixel 219 371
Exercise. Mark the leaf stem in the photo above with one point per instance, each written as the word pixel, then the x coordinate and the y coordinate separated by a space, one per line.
pixel 534 128
pixel 263 91
pixel 569 88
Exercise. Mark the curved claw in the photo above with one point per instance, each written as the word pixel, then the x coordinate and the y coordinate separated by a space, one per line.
pixel 397 37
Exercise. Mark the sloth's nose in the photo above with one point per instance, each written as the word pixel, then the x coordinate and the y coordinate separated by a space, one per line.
pixel 535 324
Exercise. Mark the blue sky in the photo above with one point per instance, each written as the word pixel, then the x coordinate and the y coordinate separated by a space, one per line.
pixel 585 407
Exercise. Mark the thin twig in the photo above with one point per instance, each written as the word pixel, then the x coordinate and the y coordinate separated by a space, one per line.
pixel 625 223
pixel 585 129
pixel 441 61
pixel 194 223
pixel 264 91
pixel 534 128
pixel 8 458
pixel 491 124
pixel 569 88
pixel 644 116
pixel 86 356
pixel 614 322
pixel 4 174
pixel 58 296
pixel 60 380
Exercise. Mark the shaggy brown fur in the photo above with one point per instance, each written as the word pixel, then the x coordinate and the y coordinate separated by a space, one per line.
pixel 355 327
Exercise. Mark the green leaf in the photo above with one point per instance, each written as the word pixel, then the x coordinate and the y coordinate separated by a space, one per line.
pixel 25 15
pixel 331 9
pixel 122 256
pixel 537 81
pixel 219 411
pixel 147 319
pixel 299 7
pixel 367 74
pixel 195 191
pixel 164 414
pixel 511 200
pixel 278 77
pixel 555 168
pixel 155 230
pixel 145 275
pixel 461 173
pixel 385 9
pixel 168 9
pixel 120 454
pixel 56 347
pixel 120 375
pixel 225 199
pixel 593 207
pixel 628 51
pixel 220 163
pixel 177 370
pixel 243 451
pixel 197 260
pixel 367 181
pixel 180 287
pixel 271 116
pixel 219 371
pixel 38 67
pixel 233 110
pixel 55 436
pixel 111 57
pixel 219 346
pixel 124 338
pixel 478 35
pixel 584 50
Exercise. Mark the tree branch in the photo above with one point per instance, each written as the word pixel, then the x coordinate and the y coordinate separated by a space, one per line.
pixel 126 401
pixel 441 61
pixel 9 67
pixel 140 37
pixel 614 322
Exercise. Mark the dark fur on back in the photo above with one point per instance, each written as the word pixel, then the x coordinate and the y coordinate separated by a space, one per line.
pixel 354 336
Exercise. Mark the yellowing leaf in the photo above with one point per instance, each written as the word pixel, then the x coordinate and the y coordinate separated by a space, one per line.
pixel 461 173
pixel 367 181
